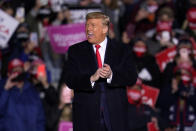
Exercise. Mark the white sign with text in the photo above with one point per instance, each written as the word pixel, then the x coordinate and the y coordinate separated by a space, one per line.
pixel 7 27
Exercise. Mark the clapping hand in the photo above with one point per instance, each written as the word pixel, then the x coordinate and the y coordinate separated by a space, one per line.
pixel 104 72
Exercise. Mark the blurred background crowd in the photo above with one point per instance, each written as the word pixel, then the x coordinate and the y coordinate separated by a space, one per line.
pixel 148 26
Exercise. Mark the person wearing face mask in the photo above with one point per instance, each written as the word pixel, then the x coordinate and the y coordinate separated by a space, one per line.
pixel 20 106
pixel 16 46
pixel 164 35
pixel 23 47
pixel 148 73
pixel 189 23
pixel 184 58
pixel 178 100
pixel 177 94
pixel 140 114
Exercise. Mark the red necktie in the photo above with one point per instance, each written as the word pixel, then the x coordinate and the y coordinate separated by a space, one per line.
pixel 98 56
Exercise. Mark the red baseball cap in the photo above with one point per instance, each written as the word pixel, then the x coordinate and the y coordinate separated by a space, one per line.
pixel 15 63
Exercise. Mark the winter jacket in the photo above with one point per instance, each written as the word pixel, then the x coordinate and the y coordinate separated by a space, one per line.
pixel 21 109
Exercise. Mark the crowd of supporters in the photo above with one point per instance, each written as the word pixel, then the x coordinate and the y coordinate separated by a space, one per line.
pixel 148 26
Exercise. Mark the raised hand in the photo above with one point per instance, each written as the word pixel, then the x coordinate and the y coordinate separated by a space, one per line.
pixel 106 71
pixel 9 83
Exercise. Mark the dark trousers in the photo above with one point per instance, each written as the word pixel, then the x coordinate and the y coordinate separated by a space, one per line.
pixel 103 125
pixel 104 114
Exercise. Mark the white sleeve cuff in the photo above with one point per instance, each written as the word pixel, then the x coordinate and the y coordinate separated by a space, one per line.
pixel 92 84
pixel 109 80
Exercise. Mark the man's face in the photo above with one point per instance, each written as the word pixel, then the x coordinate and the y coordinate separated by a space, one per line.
pixel 16 70
pixel 95 31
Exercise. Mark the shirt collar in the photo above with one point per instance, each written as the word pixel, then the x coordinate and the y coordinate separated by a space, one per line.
pixel 102 44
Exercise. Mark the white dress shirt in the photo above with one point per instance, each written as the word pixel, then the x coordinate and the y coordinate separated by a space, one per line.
pixel 102 50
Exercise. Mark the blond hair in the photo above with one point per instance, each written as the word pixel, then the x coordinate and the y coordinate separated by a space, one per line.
pixel 99 15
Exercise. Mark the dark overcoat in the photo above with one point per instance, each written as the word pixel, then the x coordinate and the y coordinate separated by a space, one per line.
pixel 81 64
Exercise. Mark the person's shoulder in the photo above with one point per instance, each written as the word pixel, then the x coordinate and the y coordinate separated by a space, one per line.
pixel 79 45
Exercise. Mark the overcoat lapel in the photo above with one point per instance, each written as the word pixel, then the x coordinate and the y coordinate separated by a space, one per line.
pixel 91 57
pixel 108 53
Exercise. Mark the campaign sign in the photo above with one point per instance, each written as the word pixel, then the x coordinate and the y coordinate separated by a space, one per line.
pixel 65 126
pixel 149 95
pixel 61 37
pixel 7 27
pixel 165 57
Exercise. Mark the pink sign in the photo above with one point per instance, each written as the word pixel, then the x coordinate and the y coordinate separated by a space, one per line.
pixel 65 126
pixel 61 37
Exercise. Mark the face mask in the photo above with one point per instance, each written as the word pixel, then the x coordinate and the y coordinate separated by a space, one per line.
pixel 134 95
pixel 165 36
pixel 22 36
pixel 139 51
pixel 184 53
pixel 152 8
